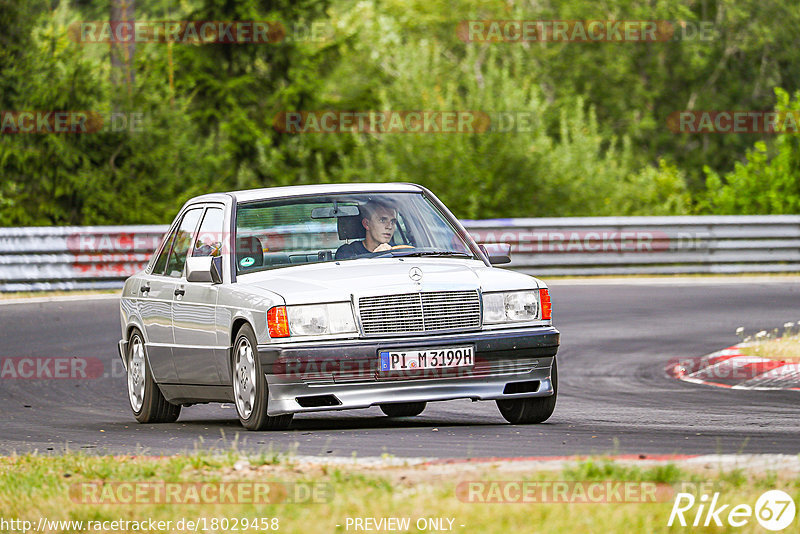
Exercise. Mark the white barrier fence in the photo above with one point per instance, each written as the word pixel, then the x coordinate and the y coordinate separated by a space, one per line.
pixel 46 258
pixel 647 245
pixel 66 257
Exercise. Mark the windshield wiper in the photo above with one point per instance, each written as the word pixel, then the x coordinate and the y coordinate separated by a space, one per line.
pixel 451 253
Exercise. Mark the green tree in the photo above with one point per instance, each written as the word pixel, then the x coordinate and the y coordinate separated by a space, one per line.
pixel 764 184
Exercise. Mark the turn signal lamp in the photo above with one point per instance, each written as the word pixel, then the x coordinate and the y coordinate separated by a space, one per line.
pixel 278 322
pixel 547 309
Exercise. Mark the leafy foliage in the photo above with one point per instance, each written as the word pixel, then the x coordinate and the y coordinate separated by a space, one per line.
pixel 594 142
pixel 762 184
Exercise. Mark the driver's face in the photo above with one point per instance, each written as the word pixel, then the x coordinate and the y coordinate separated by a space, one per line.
pixel 381 225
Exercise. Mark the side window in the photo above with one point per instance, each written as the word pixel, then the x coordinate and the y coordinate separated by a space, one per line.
pixel 209 237
pixel 182 242
pixel 161 262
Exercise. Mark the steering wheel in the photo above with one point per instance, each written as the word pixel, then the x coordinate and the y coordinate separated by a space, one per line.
pixel 397 247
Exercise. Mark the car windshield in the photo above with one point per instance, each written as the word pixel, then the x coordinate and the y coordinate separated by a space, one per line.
pixel 279 233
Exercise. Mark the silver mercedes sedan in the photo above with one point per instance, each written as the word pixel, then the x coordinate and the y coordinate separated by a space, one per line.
pixel 330 297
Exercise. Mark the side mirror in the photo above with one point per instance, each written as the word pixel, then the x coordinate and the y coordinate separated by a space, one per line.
pixel 498 253
pixel 204 269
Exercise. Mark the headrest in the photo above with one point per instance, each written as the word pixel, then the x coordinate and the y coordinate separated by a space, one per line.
pixel 351 227
pixel 250 251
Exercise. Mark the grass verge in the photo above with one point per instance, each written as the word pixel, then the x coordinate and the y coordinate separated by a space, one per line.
pixel 785 348
pixel 34 487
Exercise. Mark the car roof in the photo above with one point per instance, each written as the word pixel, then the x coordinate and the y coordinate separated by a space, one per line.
pixel 300 190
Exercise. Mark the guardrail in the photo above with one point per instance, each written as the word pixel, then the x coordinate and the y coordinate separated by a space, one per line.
pixel 65 258
pixel 647 245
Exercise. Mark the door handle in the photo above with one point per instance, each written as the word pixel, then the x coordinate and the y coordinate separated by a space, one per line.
pixel 180 292
pixel 144 289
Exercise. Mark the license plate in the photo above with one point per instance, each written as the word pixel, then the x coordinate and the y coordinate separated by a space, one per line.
pixel 404 360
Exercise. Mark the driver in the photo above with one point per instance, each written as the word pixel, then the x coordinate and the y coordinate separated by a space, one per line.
pixel 379 220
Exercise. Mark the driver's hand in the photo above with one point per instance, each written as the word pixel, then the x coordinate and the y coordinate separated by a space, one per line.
pixel 382 247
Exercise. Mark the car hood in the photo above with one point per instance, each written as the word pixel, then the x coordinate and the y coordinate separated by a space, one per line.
pixel 339 281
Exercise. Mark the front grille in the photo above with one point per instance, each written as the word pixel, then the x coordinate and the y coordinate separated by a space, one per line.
pixel 420 312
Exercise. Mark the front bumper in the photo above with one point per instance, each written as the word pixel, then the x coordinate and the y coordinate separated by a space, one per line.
pixel 340 375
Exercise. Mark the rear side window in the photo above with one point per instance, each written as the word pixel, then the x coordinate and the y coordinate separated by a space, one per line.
pixel 182 242
pixel 161 262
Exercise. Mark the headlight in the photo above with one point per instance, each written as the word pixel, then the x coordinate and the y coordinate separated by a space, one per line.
pixel 321 319
pixel 510 307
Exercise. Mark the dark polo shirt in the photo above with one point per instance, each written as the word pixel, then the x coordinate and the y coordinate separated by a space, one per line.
pixel 351 250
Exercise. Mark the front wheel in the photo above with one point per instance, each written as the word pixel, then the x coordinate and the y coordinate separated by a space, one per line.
pixel 405 409
pixel 250 386
pixel 146 400
pixel 531 410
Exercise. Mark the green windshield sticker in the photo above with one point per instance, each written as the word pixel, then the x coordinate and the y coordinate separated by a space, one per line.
pixel 247 262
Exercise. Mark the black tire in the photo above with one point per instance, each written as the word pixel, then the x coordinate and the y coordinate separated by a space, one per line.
pixel 531 410
pixel 257 418
pixel 405 409
pixel 154 407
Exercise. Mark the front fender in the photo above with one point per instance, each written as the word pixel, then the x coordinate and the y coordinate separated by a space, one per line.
pixel 245 303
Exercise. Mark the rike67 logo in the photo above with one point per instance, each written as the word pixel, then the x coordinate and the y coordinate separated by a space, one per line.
pixel 774 510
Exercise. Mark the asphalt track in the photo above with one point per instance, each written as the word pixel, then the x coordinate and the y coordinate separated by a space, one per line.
pixel 614 397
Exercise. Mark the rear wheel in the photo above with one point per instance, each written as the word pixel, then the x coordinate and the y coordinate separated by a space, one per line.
pixel 250 386
pixel 146 400
pixel 405 409
pixel 531 410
